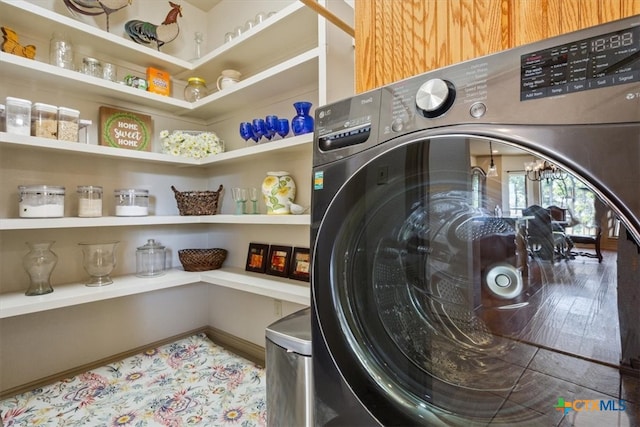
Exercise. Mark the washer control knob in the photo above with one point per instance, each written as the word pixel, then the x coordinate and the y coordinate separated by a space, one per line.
pixel 435 97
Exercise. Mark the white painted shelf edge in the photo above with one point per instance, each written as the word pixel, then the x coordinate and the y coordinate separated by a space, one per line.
pixel 286 144
pixel 121 221
pixel 16 303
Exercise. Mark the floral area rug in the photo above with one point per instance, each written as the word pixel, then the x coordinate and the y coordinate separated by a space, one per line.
pixel 190 382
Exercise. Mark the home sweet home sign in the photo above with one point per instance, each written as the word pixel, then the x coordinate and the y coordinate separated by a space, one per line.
pixel 125 129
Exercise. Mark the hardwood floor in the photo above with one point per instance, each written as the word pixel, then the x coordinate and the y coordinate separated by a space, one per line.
pixel 575 335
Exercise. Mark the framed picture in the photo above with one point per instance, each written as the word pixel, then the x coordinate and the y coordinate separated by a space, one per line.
pixel 279 258
pixel 300 264
pixel 257 257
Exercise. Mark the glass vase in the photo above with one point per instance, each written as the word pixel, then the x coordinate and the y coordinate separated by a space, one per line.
pixel 39 264
pixel 99 260
pixel 302 122
pixel 279 190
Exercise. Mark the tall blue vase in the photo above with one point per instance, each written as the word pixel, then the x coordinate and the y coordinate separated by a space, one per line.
pixel 302 122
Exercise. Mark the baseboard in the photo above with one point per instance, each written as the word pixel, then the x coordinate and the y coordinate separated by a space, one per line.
pixel 237 345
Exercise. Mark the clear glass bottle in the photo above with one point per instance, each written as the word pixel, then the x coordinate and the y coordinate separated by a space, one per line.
pixel 61 51
pixel 196 89
pixel 89 201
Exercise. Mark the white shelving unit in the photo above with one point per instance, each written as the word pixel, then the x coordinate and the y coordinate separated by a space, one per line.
pixel 282 60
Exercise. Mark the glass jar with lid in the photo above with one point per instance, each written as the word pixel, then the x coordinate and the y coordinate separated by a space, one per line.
pixel 41 201
pixel 89 201
pixel 61 51
pixel 196 89
pixel 132 202
pixel 150 259
pixel 91 67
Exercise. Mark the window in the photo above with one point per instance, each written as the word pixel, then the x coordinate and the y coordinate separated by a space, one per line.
pixel 570 193
pixel 517 193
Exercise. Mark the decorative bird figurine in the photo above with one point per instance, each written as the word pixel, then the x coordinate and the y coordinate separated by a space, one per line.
pixel 107 6
pixel 145 32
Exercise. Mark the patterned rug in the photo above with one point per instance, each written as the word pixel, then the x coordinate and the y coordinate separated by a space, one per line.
pixel 190 382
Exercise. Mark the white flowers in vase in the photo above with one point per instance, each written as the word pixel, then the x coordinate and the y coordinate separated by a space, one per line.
pixel 194 144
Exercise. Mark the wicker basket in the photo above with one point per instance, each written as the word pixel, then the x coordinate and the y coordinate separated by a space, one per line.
pixel 202 259
pixel 197 202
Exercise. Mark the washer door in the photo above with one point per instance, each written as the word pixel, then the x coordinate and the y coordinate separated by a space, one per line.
pixel 436 310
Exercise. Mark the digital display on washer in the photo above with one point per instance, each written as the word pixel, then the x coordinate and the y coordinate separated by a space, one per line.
pixel 605 60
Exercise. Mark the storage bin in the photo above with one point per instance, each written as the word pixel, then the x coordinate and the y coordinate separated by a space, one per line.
pixel 44 120
pixel 18 116
pixel 68 124
pixel 41 201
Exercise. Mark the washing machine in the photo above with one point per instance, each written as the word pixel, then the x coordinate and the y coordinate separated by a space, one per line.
pixel 431 304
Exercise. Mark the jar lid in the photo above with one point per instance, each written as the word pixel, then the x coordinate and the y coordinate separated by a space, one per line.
pixel 18 101
pixel 68 111
pixel 151 246
pixel 89 189
pixel 40 106
pixel 41 189
pixel 131 192
pixel 88 60
pixel 196 80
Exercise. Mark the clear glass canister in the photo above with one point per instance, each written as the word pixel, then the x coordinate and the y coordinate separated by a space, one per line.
pixel 18 116
pixel 132 202
pixel 68 124
pixel 91 67
pixel 150 259
pixel 89 201
pixel 61 51
pixel 196 89
pixel 44 120
pixel 41 201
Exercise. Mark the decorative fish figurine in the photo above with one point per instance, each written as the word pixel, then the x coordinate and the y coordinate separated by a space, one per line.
pixel 143 32
pixel 86 7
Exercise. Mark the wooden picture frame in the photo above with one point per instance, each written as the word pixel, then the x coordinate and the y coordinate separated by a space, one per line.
pixel 278 261
pixel 257 257
pixel 300 264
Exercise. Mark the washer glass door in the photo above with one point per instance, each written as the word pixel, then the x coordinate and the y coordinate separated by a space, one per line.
pixel 454 310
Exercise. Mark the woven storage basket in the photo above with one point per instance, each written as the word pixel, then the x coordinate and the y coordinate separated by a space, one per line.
pixel 202 259
pixel 197 202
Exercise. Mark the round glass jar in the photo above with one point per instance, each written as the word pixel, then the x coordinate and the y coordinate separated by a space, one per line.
pixel 150 259
pixel 132 202
pixel 41 201
pixel 195 89
pixel 89 201
pixel 91 67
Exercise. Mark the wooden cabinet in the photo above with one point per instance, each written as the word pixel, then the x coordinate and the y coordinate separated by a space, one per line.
pixel 282 60
pixel 399 39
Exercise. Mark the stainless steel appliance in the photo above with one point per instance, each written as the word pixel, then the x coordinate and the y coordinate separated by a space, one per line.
pixel 432 307
pixel 289 379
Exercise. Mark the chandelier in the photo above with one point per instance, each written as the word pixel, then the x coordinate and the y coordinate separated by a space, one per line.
pixel 539 170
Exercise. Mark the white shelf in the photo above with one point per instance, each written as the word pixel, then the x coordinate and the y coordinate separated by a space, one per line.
pixel 294 63
pixel 16 303
pixel 119 221
pixel 298 143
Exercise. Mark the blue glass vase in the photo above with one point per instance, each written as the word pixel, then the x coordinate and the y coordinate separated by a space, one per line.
pixel 302 122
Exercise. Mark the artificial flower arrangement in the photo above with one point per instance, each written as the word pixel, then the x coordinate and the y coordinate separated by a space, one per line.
pixel 188 143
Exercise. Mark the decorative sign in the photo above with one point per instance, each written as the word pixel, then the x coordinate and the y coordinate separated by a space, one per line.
pixel 124 129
